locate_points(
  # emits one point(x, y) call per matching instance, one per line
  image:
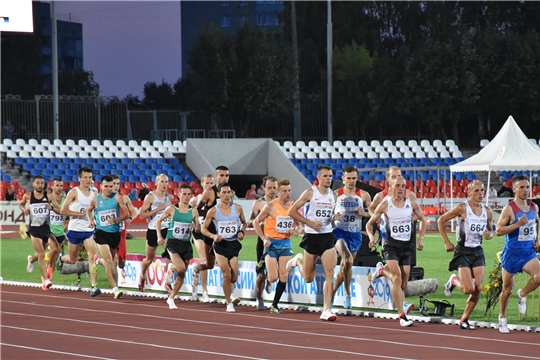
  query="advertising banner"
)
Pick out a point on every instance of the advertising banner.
point(364, 293)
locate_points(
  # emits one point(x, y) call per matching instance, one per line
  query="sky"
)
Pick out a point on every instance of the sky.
point(128, 43)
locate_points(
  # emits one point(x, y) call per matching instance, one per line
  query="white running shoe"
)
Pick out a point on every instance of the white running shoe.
point(194, 293)
point(292, 263)
point(407, 308)
point(448, 287)
point(503, 325)
point(230, 307)
point(327, 315)
point(205, 297)
point(377, 272)
point(30, 266)
point(196, 275)
point(170, 302)
point(260, 304)
point(522, 303)
point(405, 322)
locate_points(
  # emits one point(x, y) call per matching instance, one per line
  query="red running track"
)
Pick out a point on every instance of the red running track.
point(62, 324)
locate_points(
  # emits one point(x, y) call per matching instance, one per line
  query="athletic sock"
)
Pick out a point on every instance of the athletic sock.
point(280, 288)
point(454, 281)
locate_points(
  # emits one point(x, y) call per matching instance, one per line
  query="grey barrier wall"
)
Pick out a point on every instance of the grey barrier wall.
point(244, 157)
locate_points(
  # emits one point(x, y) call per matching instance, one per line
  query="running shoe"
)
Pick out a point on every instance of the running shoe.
point(142, 282)
point(268, 286)
point(118, 294)
point(292, 263)
point(407, 308)
point(46, 283)
point(275, 310)
point(503, 325)
point(347, 304)
point(235, 300)
point(465, 325)
point(449, 287)
point(205, 297)
point(196, 275)
point(522, 303)
point(95, 291)
point(377, 272)
point(30, 265)
point(194, 293)
point(170, 302)
point(230, 307)
point(260, 304)
point(59, 262)
point(404, 321)
point(327, 315)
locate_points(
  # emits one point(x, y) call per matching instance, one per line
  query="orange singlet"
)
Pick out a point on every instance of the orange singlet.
point(280, 226)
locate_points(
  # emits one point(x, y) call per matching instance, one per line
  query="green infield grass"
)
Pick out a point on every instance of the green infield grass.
point(434, 259)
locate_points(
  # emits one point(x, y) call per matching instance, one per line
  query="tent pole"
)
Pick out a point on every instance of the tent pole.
point(452, 195)
point(487, 190)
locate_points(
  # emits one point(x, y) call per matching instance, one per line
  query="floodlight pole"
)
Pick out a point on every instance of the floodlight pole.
point(329, 69)
point(54, 71)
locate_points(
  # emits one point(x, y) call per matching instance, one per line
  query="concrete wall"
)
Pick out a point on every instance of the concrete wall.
point(244, 157)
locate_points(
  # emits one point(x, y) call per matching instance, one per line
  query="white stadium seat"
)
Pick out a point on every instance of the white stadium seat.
point(437, 142)
point(350, 144)
point(348, 155)
point(169, 155)
point(329, 149)
point(317, 149)
point(108, 143)
point(354, 149)
point(109, 155)
point(35, 154)
point(323, 155)
point(372, 155)
point(288, 144)
point(292, 149)
point(305, 149)
point(133, 143)
point(155, 154)
point(299, 155)
point(399, 143)
point(387, 143)
point(288, 154)
point(300, 144)
point(72, 154)
point(342, 149)
point(132, 155)
point(424, 143)
point(449, 142)
point(20, 142)
point(60, 154)
point(313, 144)
point(325, 143)
point(374, 143)
point(64, 148)
point(145, 143)
point(384, 155)
point(7, 142)
point(359, 155)
point(420, 155)
point(120, 143)
point(335, 155)
point(11, 154)
point(47, 154)
point(39, 147)
point(33, 142)
point(362, 143)
point(396, 154)
point(45, 142)
point(275, 142)
point(412, 143)
point(175, 143)
point(456, 154)
point(337, 144)
point(484, 143)
point(181, 149)
point(83, 155)
point(311, 155)
point(58, 142)
point(16, 148)
point(28, 148)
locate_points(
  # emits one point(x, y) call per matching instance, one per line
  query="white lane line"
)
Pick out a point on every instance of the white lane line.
point(262, 317)
point(197, 335)
point(54, 351)
point(116, 340)
point(280, 330)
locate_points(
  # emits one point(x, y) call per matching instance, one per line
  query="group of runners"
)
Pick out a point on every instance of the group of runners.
point(331, 222)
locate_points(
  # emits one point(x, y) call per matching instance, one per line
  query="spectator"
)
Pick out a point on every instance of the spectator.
point(8, 130)
point(143, 192)
point(507, 187)
point(260, 192)
point(251, 193)
point(10, 193)
point(491, 193)
point(133, 195)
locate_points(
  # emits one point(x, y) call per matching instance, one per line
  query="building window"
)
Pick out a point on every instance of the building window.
point(224, 3)
point(267, 19)
point(224, 21)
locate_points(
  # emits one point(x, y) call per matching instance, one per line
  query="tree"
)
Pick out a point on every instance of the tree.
point(159, 96)
point(78, 82)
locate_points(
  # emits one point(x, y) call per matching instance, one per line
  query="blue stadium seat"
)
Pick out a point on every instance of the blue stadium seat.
point(137, 172)
point(177, 167)
point(113, 161)
point(316, 161)
point(133, 178)
point(328, 161)
point(149, 172)
point(123, 178)
point(66, 178)
point(305, 161)
point(312, 167)
point(138, 161)
point(144, 166)
point(156, 167)
point(188, 179)
point(89, 162)
point(369, 166)
point(76, 161)
point(132, 167)
point(177, 178)
point(121, 166)
point(126, 161)
point(300, 166)
point(364, 161)
point(388, 161)
point(166, 167)
point(306, 172)
point(161, 161)
point(102, 161)
point(376, 161)
point(311, 178)
point(293, 160)
point(183, 173)
point(170, 173)
point(6, 177)
point(19, 160)
point(97, 178)
point(173, 161)
point(150, 161)
point(145, 178)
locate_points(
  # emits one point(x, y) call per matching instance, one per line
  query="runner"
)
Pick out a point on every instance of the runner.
point(155, 203)
point(106, 220)
point(207, 182)
point(269, 184)
point(79, 231)
point(181, 221)
point(474, 222)
point(519, 223)
point(318, 239)
point(278, 228)
point(230, 224)
point(347, 230)
point(398, 209)
point(39, 227)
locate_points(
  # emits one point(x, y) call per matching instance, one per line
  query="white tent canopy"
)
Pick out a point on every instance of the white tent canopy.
point(510, 150)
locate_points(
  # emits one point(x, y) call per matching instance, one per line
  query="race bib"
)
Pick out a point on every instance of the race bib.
point(527, 232)
point(181, 230)
point(56, 219)
point(39, 210)
point(350, 219)
point(323, 213)
point(227, 229)
point(400, 229)
point(105, 215)
point(122, 225)
point(284, 224)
